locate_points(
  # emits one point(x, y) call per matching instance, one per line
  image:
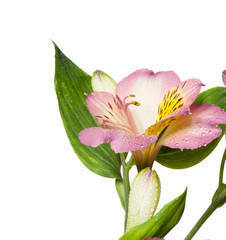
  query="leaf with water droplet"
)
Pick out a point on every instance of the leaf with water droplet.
point(71, 83)
point(161, 223)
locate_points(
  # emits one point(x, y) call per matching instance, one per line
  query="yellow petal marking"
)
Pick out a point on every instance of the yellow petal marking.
point(172, 100)
point(159, 127)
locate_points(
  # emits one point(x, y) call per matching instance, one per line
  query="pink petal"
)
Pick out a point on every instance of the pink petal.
point(224, 77)
point(149, 89)
point(98, 104)
point(120, 141)
point(176, 102)
point(196, 130)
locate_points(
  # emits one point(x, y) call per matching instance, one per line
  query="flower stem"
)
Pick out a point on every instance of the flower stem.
point(222, 168)
point(218, 200)
point(126, 184)
point(200, 222)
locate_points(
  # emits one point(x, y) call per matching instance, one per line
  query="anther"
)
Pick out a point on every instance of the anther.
point(135, 103)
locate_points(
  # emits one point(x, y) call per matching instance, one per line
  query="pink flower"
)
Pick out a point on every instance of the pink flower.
point(144, 105)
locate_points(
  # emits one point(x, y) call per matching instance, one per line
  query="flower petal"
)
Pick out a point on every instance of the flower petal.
point(196, 130)
point(178, 99)
point(120, 141)
point(224, 77)
point(176, 102)
point(149, 89)
point(105, 108)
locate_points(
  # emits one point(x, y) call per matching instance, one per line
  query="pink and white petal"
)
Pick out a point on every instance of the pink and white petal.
point(195, 130)
point(190, 89)
point(178, 99)
point(102, 106)
point(120, 141)
point(149, 89)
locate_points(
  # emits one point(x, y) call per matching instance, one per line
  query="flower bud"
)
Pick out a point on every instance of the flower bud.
point(101, 82)
point(143, 198)
point(224, 77)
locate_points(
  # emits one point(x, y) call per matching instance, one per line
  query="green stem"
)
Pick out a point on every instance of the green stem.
point(218, 200)
point(126, 184)
point(222, 168)
point(200, 222)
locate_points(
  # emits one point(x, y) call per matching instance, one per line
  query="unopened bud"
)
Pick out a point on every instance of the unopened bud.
point(144, 197)
point(101, 82)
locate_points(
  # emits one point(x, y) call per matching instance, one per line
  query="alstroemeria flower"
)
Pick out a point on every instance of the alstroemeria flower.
point(145, 104)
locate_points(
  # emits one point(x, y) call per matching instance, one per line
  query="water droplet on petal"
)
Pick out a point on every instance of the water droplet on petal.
point(203, 134)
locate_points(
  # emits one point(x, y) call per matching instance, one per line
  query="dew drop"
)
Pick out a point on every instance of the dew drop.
point(203, 134)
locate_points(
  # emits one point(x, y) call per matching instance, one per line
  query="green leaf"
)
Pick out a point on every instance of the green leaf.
point(71, 85)
point(121, 192)
point(177, 159)
point(161, 223)
point(215, 96)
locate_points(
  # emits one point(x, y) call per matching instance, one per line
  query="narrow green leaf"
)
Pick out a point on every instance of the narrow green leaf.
point(71, 85)
point(161, 223)
point(121, 192)
point(177, 159)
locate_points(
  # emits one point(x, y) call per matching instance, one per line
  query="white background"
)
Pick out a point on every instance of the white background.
point(45, 191)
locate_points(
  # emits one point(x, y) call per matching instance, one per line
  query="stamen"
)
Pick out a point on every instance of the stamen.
point(114, 125)
point(124, 100)
point(135, 103)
